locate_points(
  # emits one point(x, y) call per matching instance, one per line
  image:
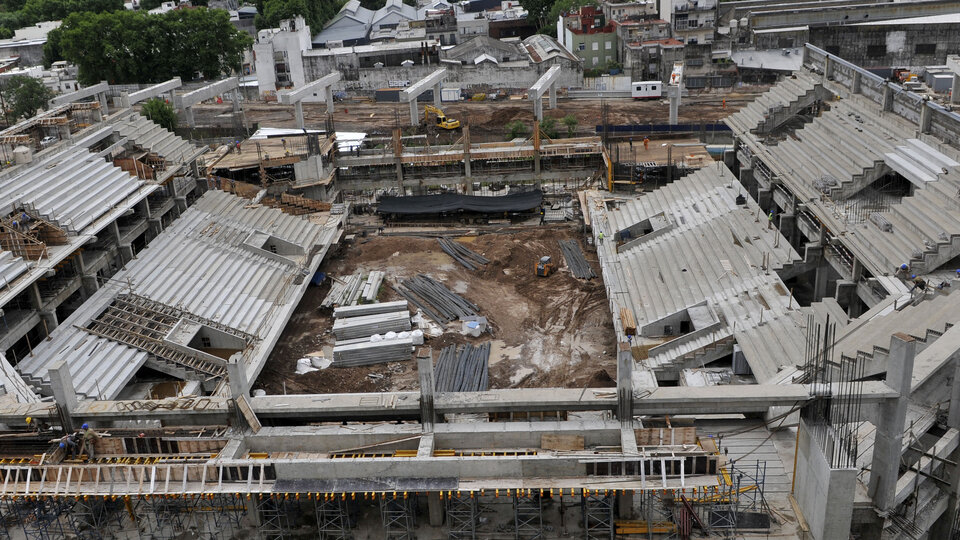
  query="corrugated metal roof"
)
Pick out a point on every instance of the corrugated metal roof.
point(71, 191)
point(200, 265)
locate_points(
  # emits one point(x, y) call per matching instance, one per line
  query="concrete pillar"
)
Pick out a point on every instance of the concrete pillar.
point(828, 66)
point(328, 92)
point(89, 284)
point(125, 100)
point(188, 116)
point(437, 89)
point(925, 114)
point(553, 96)
point(181, 204)
point(104, 106)
point(435, 509)
point(61, 384)
point(955, 90)
point(298, 113)
point(414, 117)
point(538, 109)
point(467, 172)
point(887, 104)
point(855, 85)
point(237, 378)
point(33, 294)
point(236, 100)
point(625, 504)
point(764, 199)
point(788, 223)
point(536, 146)
point(820, 281)
point(126, 252)
point(892, 415)
point(428, 415)
point(49, 320)
point(674, 95)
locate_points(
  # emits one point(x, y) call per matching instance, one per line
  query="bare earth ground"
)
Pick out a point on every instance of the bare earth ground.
point(546, 332)
point(486, 118)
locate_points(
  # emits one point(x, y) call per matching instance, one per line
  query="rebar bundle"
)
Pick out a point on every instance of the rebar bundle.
point(437, 302)
point(576, 262)
point(463, 371)
point(470, 260)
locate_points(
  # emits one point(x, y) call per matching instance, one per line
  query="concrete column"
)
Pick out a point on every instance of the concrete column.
point(236, 101)
point(538, 109)
point(787, 226)
point(887, 103)
point(33, 294)
point(437, 88)
point(61, 383)
point(298, 113)
point(553, 96)
point(674, 95)
point(414, 117)
point(428, 415)
point(188, 116)
point(955, 90)
point(104, 106)
point(892, 415)
point(237, 378)
point(328, 92)
point(820, 281)
point(925, 114)
point(435, 509)
point(125, 100)
point(855, 86)
point(90, 284)
point(50, 321)
point(126, 252)
point(467, 172)
point(828, 66)
point(625, 504)
point(536, 145)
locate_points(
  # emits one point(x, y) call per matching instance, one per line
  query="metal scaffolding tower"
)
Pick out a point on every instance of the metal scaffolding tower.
point(220, 516)
point(42, 519)
point(278, 517)
point(333, 518)
point(163, 517)
point(462, 514)
point(399, 518)
point(528, 516)
point(97, 518)
point(598, 516)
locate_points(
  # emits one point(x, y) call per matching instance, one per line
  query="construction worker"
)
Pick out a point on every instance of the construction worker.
point(600, 237)
point(631, 142)
point(902, 270)
point(646, 143)
point(918, 283)
point(238, 146)
point(90, 437)
point(70, 445)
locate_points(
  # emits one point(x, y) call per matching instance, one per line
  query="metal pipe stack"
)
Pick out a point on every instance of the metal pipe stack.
point(463, 371)
point(438, 302)
point(363, 352)
point(369, 309)
point(471, 260)
point(350, 290)
point(576, 262)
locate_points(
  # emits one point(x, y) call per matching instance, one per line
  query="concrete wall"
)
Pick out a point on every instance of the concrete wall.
point(31, 54)
point(889, 45)
point(593, 58)
point(825, 495)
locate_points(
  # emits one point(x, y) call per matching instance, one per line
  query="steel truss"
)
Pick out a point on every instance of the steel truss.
point(333, 518)
point(463, 512)
point(528, 516)
point(598, 517)
point(399, 517)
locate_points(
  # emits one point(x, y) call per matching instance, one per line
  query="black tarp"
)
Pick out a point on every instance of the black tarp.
point(452, 202)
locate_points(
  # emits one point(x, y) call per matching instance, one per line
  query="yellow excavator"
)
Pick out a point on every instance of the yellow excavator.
point(442, 121)
point(545, 266)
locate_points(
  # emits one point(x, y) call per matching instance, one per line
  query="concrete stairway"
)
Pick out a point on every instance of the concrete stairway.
point(782, 102)
point(150, 136)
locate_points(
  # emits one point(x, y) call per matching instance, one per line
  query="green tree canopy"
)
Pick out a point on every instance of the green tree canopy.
point(160, 112)
point(549, 25)
point(22, 96)
point(570, 122)
point(316, 12)
point(548, 126)
point(137, 47)
point(516, 129)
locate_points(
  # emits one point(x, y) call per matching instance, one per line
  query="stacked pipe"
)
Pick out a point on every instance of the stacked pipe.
point(368, 325)
point(576, 262)
point(345, 312)
point(465, 370)
point(471, 260)
point(372, 287)
point(438, 302)
point(343, 292)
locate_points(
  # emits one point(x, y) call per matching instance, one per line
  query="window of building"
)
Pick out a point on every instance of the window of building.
point(596, 60)
point(876, 51)
point(595, 46)
point(581, 47)
point(608, 45)
point(925, 48)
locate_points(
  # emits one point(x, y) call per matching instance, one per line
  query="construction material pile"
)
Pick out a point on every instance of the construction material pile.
point(436, 301)
point(373, 333)
point(353, 289)
point(576, 262)
point(465, 370)
point(470, 260)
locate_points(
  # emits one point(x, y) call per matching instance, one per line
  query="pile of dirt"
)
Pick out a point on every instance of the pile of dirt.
point(545, 332)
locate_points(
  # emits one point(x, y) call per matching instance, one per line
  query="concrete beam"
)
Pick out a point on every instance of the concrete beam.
point(293, 95)
point(410, 93)
point(83, 93)
point(207, 92)
point(151, 92)
point(546, 83)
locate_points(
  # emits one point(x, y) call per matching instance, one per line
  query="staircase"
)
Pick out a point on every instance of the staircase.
point(150, 136)
point(779, 104)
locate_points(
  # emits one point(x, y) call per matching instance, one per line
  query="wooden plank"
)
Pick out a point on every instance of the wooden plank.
point(248, 413)
point(627, 321)
point(561, 442)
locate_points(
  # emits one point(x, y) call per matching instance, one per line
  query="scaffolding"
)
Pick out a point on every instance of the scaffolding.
point(333, 518)
point(399, 517)
point(96, 518)
point(463, 512)
point(278, 517)
point(528, 516)
point(598, 516)
point(42, 519)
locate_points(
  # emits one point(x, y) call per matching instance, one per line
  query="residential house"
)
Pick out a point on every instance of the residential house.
point(625, 10)
point(587, 34)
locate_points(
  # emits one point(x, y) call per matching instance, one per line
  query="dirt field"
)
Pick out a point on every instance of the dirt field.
point(486, 118)
point(546, 332)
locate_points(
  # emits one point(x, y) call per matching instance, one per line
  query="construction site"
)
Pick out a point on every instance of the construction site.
point(746, 329)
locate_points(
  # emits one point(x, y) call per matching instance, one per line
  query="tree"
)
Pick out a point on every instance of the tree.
point(537, 10)
point(516, 129)
point(316, 12)
point(35, 11)
point(549, 25)
point(22, 96)
point(570, 121)
point(548, 126)
point(161, 113)
point(51, 49)
point(138, 47)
